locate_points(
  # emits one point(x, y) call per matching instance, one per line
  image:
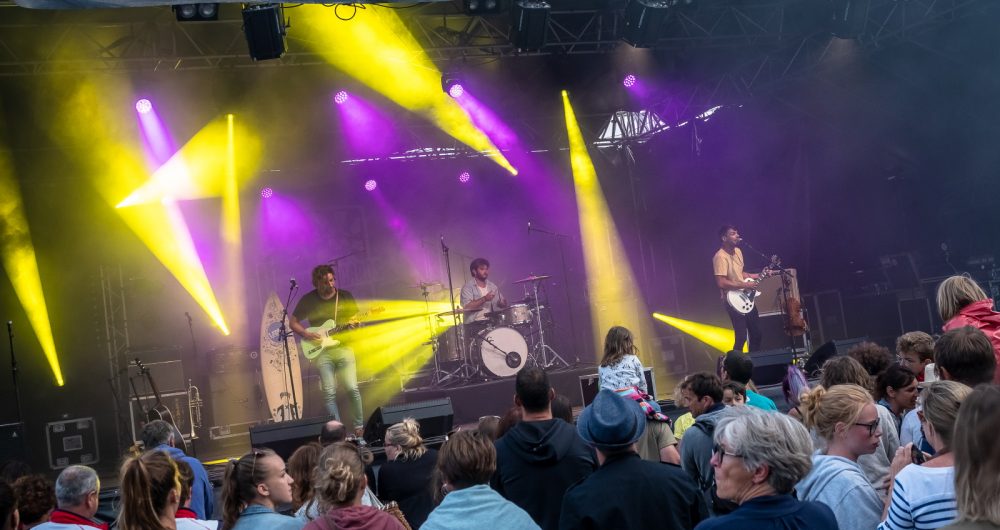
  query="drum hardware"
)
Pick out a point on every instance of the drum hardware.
point(533, 278)
point(541, 348)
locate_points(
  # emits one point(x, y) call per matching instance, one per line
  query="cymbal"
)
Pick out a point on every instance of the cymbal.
point(534, 278)
point(458, 311)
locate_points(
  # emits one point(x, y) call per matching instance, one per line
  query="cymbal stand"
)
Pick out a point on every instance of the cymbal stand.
point(463, 370)
point(540, 345)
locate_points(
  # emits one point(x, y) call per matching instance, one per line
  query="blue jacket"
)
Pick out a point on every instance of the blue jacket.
point(477, 507)
point(202, 496)
point(775, 512)
point(257, 517)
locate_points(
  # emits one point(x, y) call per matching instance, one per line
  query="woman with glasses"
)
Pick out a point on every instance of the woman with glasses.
point(845, 418)
point(758, 458)
point(340, 485)
point(406, 476)
point(255, 485)
point(923, 492)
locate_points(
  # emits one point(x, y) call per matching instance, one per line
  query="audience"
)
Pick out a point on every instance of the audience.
point(686, 420)
point(737, 366)
point(12, 469)
point(758, 458)
point(302, 468)
point(540, 457)
point(77, 499)
point(465, 465)
point(255, 485)
point(332, 432)
point(924, 494)
point(977, 460)
point(406, 476)
point(703, 392)
point(8, 507)
point(340, 484)
point(657, 443)
point(961, 302)
point(489, 426)
point(915, 351)
point(562, 408)
point(965, 355)
point(896, 390)
point(846, 418)
point(734, 393)
point(620, 366)
point(873, 358)
point(186, 518)
point(150, 492)
point(36, 498)
point(627, 492)
point(158, 435)
point(511, 418)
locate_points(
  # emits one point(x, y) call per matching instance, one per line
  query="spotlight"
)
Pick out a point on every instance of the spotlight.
point(629, 81)
point(370, 185)
point(264, 27)
point(143, 106)
point(529, 22)
point(464, 177)
point(196, 12)
point(340, 98)
point(480, 7)
point(643, 21)
point(452, 84)
point(456, 91)
point(266, 193)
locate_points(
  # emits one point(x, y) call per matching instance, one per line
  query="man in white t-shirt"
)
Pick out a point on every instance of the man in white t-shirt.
point(479, 295)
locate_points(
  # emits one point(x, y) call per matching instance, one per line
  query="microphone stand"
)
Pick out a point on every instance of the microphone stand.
point(569, 304)
point(286, 334)
point(17, 391)
point(454, 310)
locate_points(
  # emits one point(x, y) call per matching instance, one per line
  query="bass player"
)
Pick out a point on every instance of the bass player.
point(327, 302)
point(728, 266)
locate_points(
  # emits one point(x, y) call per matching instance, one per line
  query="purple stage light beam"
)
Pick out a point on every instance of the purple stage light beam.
point(143, 106)
point(157, 143)
point(367, 130)
point(487, 121)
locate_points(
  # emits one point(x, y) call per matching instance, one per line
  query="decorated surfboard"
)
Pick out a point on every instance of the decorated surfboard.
point(277, 383)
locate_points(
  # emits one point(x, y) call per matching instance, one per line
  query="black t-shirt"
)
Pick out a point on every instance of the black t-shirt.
point(316, 311)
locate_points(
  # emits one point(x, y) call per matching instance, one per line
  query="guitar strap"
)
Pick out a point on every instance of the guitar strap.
point(336, 307)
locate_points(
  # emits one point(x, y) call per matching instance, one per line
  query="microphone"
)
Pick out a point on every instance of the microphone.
point(443, 246)
point(529, 226)
point(293, 283)
point(188, 315)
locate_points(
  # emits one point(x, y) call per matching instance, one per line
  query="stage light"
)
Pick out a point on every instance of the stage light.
point(370, 185)
point(529, 24)
point(264, 27)
point(480, 7)
point(143, 106)
point(629, 81)
point(340, 98)
point(196, 12)
point(643, 21)
point(266, 193)
point(721, 339)
point(464, 177)
point(456, 91)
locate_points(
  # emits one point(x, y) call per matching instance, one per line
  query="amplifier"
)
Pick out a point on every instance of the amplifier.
point(177, 402)
point(72, 442)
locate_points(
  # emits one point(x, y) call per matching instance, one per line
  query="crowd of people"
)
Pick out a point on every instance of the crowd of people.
point(883, 440)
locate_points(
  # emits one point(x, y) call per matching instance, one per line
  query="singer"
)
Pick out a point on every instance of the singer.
point(327, 302)
point(728, 266)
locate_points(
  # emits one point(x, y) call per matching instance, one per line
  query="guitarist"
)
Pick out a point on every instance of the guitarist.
point(327, 302)
point(728, 266)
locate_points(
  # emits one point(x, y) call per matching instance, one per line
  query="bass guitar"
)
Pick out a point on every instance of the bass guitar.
point(328, 331)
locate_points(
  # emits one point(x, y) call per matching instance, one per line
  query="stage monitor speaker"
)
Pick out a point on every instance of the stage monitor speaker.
point(828, 351)
point(12, 443)
point(287, 436)
point(436, 417)
point(770, 366)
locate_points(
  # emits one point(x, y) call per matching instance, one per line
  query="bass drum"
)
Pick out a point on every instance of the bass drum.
point(501, 351)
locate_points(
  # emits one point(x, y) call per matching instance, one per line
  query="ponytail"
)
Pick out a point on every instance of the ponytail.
point(239, 488)
point(146, 483)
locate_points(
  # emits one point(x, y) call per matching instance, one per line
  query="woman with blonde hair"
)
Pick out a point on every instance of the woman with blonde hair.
point(406, 476)
point(977, 460)
point(150, 492)
point(962, 302)
point(846, 419)
point(340, 484)
point(924, 493)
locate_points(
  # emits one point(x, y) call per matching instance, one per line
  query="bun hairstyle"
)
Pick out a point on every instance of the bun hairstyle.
point(341, 474)
point(146, 483)
point(942, 400)
point(822, 409)
point(240, 485)
point(406, 436)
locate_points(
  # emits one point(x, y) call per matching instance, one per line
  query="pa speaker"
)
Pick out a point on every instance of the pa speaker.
point(264, 28)
point(769, 366)
point(287, 436)
point(435, 416)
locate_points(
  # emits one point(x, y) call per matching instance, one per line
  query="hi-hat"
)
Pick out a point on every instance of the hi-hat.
point(534, 278)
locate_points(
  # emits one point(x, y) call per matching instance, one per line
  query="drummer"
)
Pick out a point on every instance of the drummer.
point(480, 296)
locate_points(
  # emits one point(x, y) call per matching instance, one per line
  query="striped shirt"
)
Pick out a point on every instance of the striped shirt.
point(922, 498)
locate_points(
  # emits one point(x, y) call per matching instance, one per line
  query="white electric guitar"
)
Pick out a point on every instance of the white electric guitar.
point(742, 300)
point(327, 331)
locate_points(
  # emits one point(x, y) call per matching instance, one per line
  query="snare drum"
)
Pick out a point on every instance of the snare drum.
point(501, 351)
point(515, 315)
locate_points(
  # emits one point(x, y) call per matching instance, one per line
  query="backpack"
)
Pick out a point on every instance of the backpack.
point(716, 504)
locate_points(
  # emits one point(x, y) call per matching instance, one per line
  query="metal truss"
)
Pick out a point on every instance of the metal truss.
point(116, 337)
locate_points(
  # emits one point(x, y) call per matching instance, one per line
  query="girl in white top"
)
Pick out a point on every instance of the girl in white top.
point(621, 367)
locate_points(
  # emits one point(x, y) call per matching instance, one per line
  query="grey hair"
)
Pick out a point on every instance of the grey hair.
point(772, 439)
point(74, 484)
point(156, 433)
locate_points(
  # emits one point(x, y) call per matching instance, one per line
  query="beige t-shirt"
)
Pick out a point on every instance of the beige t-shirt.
point(730, 266)
point(657, 436)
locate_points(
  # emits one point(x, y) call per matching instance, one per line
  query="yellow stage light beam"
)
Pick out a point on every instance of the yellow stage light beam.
point(232, 234)
point(377, 49)
point(721, 339)
point(19, 261)
point(614, 295)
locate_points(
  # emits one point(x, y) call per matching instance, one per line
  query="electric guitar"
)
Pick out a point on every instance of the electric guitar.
point(742, 300)
point(327, 331)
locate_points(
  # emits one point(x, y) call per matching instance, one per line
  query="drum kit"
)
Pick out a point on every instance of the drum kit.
point(498, 346)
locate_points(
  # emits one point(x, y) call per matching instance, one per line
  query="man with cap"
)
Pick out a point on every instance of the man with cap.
point(626, 491)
